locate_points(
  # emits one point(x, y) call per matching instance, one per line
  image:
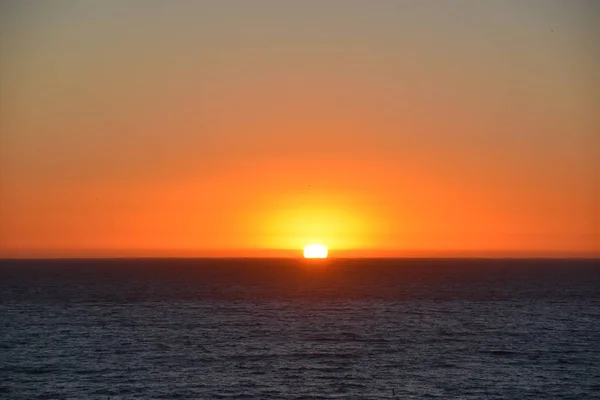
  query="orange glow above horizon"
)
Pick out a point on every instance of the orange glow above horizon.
point(373, 131)
point(341, 228)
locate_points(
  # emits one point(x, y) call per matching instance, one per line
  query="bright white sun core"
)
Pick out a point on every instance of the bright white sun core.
point(315, 251)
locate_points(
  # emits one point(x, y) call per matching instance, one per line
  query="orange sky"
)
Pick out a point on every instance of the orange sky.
point(375, 128)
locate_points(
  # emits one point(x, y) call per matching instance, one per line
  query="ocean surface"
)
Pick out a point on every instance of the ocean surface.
point(299, 329)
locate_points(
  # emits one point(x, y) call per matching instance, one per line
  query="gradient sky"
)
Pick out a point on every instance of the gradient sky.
point(249, 128)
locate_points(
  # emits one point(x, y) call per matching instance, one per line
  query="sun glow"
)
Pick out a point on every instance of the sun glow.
point(315, 251)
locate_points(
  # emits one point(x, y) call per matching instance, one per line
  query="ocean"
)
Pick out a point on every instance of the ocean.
point(299, 329)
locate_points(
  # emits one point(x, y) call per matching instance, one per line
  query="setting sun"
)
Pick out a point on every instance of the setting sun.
point(315, 251)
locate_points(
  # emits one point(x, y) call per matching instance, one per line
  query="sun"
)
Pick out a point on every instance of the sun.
point(315, 251)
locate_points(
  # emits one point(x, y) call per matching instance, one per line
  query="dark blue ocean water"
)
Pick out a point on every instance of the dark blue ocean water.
point(291, 329)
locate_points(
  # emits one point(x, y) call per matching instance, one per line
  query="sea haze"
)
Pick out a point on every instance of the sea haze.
point(299, 329)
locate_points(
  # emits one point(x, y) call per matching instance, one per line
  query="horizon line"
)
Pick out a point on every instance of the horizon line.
point(546, 257)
